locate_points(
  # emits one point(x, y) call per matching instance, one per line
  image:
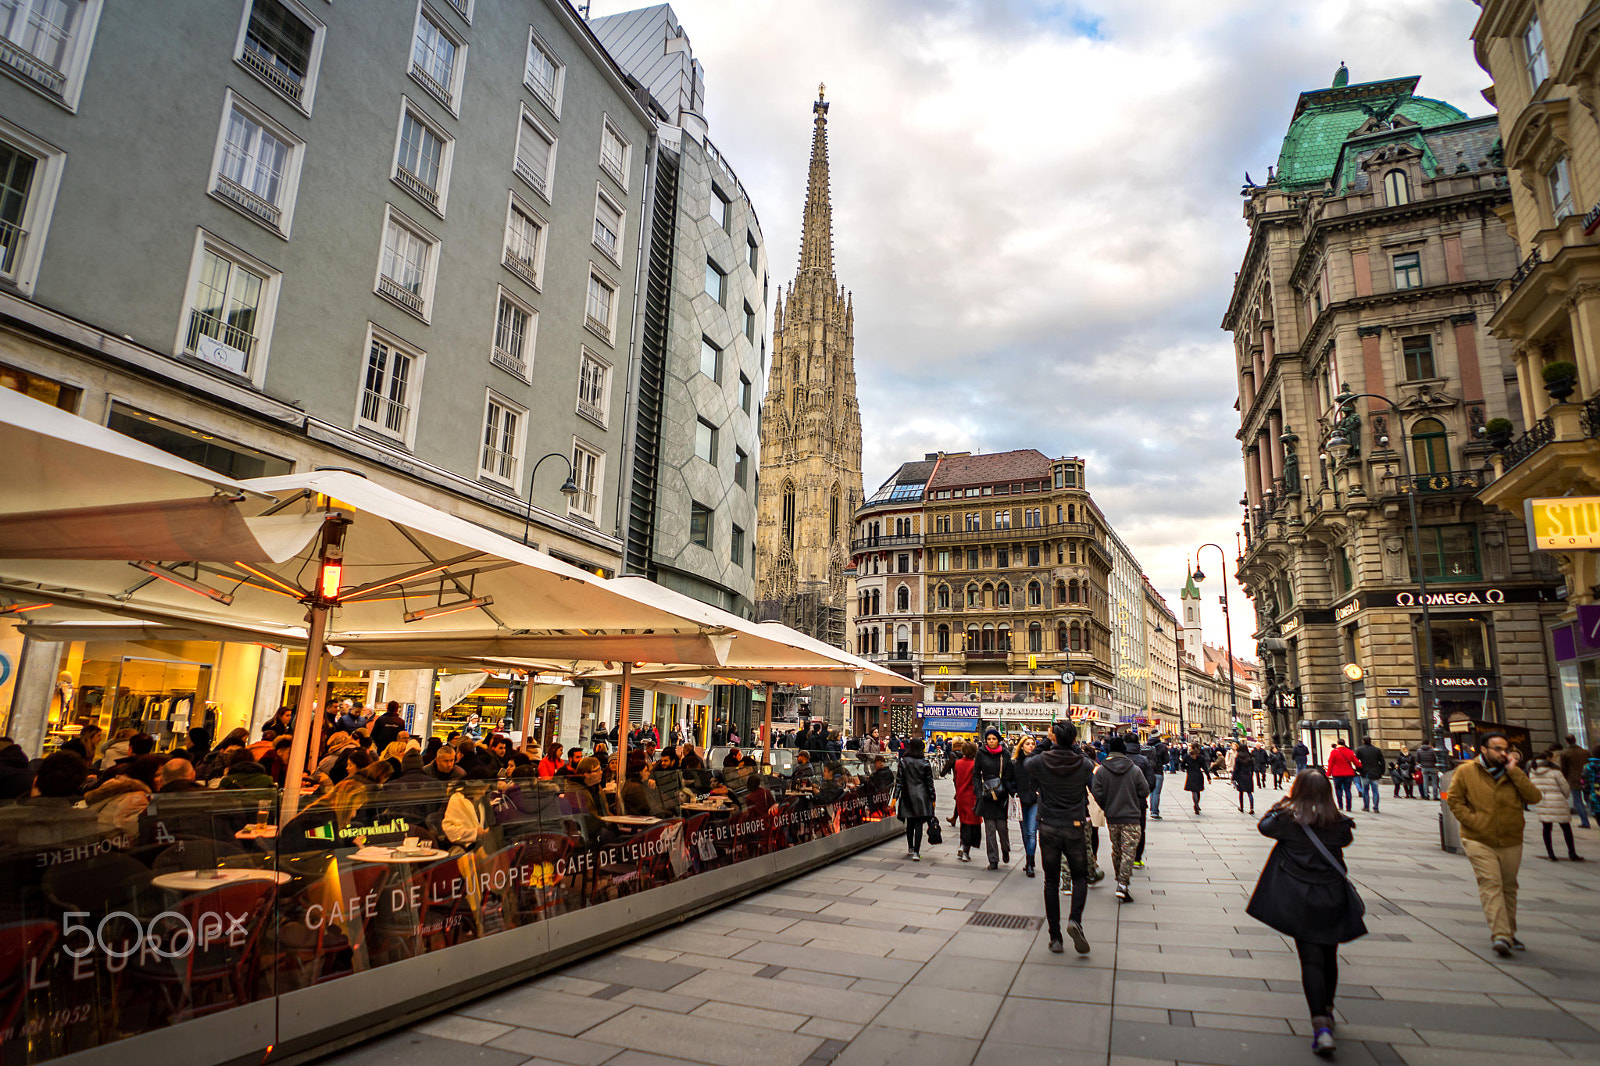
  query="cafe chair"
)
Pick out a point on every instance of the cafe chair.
point(313, 955)
point(440, 918)
point(545, 894)
point(224, 962)
point(24, 947)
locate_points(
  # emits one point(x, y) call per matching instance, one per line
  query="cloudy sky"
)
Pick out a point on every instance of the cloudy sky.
point(1036, 206)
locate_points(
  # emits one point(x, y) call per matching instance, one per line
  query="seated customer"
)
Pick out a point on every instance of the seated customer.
point(463, 814)
point(177, 775)
point(635, 800)
point(444, 768)
point(689, 759)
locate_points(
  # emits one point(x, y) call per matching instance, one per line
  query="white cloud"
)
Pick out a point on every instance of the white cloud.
point(1035, 205)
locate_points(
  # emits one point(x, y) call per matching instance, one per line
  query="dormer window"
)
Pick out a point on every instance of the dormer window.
point(1396, 188)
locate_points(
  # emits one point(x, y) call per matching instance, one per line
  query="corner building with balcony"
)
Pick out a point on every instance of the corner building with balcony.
point(1018, 591)
point(1375, 249)
point(1544, 59)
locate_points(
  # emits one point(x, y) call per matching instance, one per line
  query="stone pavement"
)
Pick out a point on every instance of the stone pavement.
point(876, 960)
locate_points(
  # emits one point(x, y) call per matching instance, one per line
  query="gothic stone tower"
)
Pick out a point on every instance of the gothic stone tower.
point(810, 430)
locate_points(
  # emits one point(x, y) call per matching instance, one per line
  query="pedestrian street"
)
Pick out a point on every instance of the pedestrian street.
point(876, 960)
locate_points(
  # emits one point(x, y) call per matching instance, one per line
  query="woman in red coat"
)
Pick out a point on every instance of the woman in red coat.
point(967, 802)
point(1342, 767)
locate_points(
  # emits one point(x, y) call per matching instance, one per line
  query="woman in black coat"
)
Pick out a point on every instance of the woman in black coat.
point(1193, 764)
point(1301, 895)
point(1244, 776)
point(993, 767)
point(1278, 766)
point(916, 796)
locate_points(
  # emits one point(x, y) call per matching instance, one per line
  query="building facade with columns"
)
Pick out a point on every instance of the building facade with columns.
point(1375, 249)
point(1544, 59)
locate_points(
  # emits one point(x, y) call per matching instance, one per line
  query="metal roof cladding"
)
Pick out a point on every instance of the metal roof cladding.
point(1323, 118)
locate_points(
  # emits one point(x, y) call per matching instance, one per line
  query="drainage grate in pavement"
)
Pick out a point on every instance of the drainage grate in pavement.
point(1004, 921)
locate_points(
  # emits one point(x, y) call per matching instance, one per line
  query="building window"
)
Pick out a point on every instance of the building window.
point(834, 513)
point(1035, 637)
point(1396, 188)
point(1458, 644)
point(524, 255)
point(902, 599)
point(944, 597)
point(536, 153)
point(749, 324)
point(736, 546)
point(1408, 271)
point(1417, 353)
point(1002, 520)
point(1076, 638)
point(699, 525)
point(600, 307)
point(422, 159)
point(718, 208)
point(388, 393)
point(594, 392)
point(788, 514)
point(1074, 591)
point(406, 268)
point(1533, 54)
point(1002, 595)
point(755, 249)
point(45, 44)
point(228, 319)
point(741, 467)
point(1449, 553)
point(744, 394)
point(503, 425)
point(972, 558)
point(1033, 555)
point(1035, 594)
point(710, 359)
point(1061, 593)
point(942, 639)
point(514, 325)
point(608, 223)
point(437, 59)
point(1061, 636)
point(974, 596)
point(1560, 190)
point(1430, 447)
point(705, 441)
point(30, 173)
point(281, 43)
point(1072, 553)
point(195, 445)
point(588, 467)
point(716, 281)
point(613, 153)
point(544, 73)
point(1002, 558)
point(257, 168)
point(943, 561)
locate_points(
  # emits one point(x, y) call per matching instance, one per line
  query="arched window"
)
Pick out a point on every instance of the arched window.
point(988, 638)
point(988, 596)
point(1035, 594)
point(1072, 591)
point(1002, 595)
point(972, 596)
point(972, 638)
point(1002, 639)
point(1396, 188)
point(876, 639)
point(902, 599)
point(1035, 637)
point(1077, 637)
point(788, 514)
point(1061, 636)
point(877, 601)
point(1430, 447)
point(1061, 593)
point(942, 638)
point(833, 513)
point(1072, 513)
point(944, 597)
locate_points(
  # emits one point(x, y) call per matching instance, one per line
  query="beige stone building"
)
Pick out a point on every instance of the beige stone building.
point(1376, 246)
point(810, 472)
point(1544, 59)
point(1161, 659)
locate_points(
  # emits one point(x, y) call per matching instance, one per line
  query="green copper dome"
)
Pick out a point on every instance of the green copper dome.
point(1325, 117)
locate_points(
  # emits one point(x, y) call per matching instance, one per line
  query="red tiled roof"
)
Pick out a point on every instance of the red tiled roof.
point(963, 470)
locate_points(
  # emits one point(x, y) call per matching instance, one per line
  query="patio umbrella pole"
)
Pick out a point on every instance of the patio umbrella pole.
point(304, 714)
point(622, 733)
point(766, 729)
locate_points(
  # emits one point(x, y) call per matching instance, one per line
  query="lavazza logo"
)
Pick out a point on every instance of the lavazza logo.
point(1449, 599)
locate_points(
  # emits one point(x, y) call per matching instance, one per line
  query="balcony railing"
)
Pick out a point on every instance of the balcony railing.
point(460, 6)
point(30, 66)
point(1541, 433)
point(591, 412)
point(975, 655)
point(384, 413)
point(1018, 533)
point(885, 543)
point(531, 176)
point(401, 295)
point(204, 325)
point(13, 239)
point(1590, 417)
point(430, 83)
point(417, 187)
point(521, 267)
point(265, 64)
point(1449, 481)
point(256, 206)
point(1527, 267)
point(507, 361)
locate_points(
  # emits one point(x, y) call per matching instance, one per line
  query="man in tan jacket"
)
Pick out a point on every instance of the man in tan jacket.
point(1486, 796)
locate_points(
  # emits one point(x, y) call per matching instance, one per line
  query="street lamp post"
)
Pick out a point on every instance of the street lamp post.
point(1233, 698)
point(1338, 448)
point(569, 489)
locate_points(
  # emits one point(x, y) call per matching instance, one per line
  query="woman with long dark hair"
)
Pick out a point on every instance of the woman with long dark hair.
point(1193, 765)
point(1305, 893)
point(916, 796)
point(1244, 775)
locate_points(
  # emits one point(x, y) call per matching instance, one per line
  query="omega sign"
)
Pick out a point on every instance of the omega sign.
point(1449, 597)
point(1471, 598)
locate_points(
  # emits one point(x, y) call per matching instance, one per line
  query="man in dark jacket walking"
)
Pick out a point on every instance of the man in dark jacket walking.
point(1301, 755)
point(1152, 776)
point(387, 726)
point(1062, 777)
point(1373, 769)
point(1120, 787)
point(1159, 758)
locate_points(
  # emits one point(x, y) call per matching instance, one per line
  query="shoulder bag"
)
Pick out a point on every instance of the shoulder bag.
point(1353, 898)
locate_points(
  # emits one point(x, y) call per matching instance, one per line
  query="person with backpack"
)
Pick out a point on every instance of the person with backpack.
point(1121, 789)
point(1304, 891)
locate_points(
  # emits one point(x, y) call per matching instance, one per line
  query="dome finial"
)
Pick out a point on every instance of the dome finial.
point(1341, 77)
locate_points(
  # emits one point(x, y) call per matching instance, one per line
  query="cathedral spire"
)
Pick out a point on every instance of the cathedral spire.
point(816, 243)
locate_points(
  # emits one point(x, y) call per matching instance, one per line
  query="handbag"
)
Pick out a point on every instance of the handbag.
point(1353, 898)
point(991, 785)
point(935, 834)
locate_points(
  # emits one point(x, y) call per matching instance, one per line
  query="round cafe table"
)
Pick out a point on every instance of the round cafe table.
point(371, 853)
point(709, 808)
point(200, 881)
point(257, 832)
